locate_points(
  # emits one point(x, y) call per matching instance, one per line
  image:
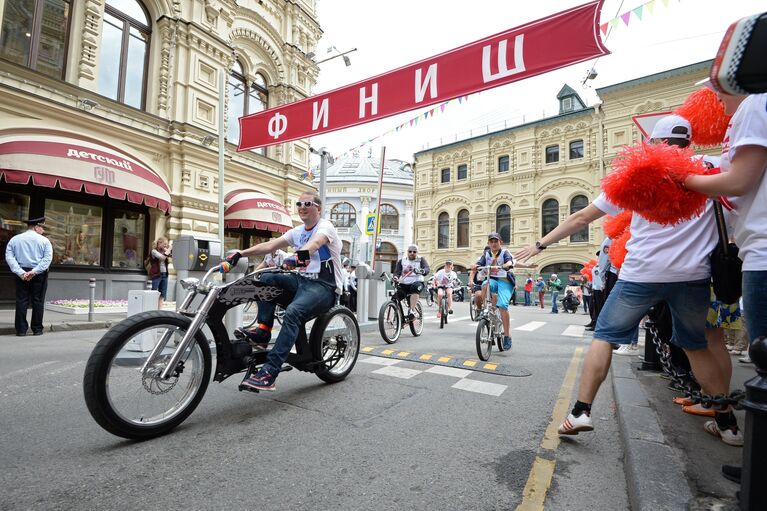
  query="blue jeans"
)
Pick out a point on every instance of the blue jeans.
point(554, 296)
point(306, 299)
point(628, 302)
point(161, 284)
point(754, 298)
point(527, 298)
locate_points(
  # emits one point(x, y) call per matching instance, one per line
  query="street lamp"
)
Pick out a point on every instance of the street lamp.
point(324, 158)
point(343, 54)
point(355, 233)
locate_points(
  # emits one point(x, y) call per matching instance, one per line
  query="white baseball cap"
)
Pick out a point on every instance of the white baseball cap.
point(672, 126)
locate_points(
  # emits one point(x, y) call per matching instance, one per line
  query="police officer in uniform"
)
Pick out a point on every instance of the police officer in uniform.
point(29, 255)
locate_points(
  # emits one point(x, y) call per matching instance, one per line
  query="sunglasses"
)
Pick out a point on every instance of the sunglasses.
point(412, 251)
point(305, 204)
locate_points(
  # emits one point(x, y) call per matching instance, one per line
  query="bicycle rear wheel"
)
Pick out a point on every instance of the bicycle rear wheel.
point(389, 322)
point(484, 340)
point(473, 312)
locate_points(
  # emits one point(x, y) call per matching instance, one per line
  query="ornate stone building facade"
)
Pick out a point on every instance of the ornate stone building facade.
point(135, 83)
point(523, 181)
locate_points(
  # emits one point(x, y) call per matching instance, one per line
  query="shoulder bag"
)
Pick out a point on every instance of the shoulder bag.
point(726, 267)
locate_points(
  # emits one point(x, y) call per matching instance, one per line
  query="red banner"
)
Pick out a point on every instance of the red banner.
point(535, 48)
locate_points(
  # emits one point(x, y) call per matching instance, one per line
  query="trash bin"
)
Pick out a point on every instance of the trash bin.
point(142, 301)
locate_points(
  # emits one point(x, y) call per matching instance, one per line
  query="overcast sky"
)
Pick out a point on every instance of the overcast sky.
point(395, 33)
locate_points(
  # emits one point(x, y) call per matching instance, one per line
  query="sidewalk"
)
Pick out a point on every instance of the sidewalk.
point(671, 462)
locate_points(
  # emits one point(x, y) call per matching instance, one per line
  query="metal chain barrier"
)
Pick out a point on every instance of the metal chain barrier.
point(685, 383)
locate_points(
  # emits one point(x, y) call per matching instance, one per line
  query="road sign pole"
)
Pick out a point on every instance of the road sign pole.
point(378, 209)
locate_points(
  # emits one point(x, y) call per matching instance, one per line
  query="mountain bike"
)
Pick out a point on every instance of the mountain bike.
point(490, 326)
point(140, 394)
point(443, 310)
point(391, 317)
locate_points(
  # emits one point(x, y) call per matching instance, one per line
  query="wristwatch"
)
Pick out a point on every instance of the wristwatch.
point(539, 246)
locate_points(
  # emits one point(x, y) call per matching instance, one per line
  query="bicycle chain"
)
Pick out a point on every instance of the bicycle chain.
point(684, 380)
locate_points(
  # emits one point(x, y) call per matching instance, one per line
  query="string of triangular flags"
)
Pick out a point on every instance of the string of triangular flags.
point(626, 17)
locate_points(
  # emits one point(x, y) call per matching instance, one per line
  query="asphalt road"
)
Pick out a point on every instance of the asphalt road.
point(397, 434)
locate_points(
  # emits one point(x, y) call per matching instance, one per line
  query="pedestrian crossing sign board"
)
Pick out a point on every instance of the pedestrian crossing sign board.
point(371, 224)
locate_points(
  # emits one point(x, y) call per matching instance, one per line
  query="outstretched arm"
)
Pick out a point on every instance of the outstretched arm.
point(746, 169)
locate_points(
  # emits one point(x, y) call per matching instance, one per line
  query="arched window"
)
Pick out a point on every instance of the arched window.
point(549, 215)
point(389, 217)
point(503, 222)
point(343, 214)
point(124, 58)
point(576, 204)
point(35, 34)
point(387, 253)
point(462, 229)
point(244, 99)
point(443, 230)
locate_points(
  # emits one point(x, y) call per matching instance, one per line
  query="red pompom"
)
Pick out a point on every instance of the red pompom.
point(588, 268)
point(618, 249)
point(614, 226)
point(646, 179)
point(706, 115)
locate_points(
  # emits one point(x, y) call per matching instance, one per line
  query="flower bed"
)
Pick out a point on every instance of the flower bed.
point(99, 306)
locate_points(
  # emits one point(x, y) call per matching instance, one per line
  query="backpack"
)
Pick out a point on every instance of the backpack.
point(148, 265)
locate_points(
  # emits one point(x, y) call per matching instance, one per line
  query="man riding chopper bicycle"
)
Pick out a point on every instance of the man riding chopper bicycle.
point(311, 292)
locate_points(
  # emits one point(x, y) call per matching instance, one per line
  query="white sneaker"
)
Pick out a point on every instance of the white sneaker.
point(624, 349)
point(732, 437)
point(574, 425)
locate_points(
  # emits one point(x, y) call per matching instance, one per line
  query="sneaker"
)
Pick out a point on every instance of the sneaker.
point(699, 410)
point(745, 360)
point(506, 343)
point(262, 380)
point(623, 349)
point(574, 425)
point(732, 472)
point(589, 329)
point(732, 436)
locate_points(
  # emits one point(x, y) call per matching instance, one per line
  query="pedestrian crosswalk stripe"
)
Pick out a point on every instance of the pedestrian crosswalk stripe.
point(480, 387)
point(449, 371)
point(574, 331)
point(380, 361)
point(379, 353)
point(529, 327)
point(398, 372)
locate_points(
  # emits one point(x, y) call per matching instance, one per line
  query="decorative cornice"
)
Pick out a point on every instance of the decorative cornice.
point(559, 183)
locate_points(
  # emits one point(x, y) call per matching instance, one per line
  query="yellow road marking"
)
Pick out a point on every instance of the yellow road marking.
point(403, 353)
point(426, 357)
point(470, 363)
point(443, 359)
point(491, 367)
point(539, 480)
point(367, 348)
point(387, 352)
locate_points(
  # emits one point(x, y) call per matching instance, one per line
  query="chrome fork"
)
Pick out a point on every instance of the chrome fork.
point(165, 337)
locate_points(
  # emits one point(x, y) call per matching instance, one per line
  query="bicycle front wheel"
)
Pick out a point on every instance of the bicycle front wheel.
point(389, 322)
point(484, 340)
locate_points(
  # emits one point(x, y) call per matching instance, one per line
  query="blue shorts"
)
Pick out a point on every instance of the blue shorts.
point(502, 288)
point(628, 302)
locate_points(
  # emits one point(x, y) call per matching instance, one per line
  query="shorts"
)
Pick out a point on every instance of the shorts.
point(413, 288)
point(502, 288)
point(628, 302)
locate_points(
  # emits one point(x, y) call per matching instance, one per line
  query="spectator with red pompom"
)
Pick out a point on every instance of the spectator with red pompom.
point(663, 263)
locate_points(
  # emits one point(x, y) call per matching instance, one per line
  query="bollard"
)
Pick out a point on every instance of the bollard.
point(650, 360)
point(92, 285)
point(148, 285)
point(753, 496)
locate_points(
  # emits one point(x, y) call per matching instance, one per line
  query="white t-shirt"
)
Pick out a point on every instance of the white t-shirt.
point(409, 275)
point(276, 259)
point(667, 253)
point(749, 127)
point(325, 263)
point(599, 272)
point(445, 278)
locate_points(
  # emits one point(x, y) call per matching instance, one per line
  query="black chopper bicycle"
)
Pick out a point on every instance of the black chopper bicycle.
point(141, 395)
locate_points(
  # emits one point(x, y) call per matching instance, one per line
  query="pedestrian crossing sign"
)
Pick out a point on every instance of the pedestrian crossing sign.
point(371, 224)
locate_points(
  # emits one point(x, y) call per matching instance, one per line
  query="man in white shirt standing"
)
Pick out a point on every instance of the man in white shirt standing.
point(310, 291)
point(664, 263)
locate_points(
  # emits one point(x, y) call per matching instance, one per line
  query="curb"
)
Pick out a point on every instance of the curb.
point(665, 485)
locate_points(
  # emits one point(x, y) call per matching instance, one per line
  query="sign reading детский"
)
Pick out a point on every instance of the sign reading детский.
point(550, 43)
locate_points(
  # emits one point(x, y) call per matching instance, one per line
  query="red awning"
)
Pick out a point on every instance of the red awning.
point(77, 165)
point(249, 209)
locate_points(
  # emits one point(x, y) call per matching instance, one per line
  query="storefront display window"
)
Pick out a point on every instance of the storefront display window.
point(233, 241)
point(14, 209)
point(128, 239)
point(75, 232)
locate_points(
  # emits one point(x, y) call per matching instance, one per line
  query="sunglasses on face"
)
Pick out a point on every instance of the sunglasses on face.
point(305, 204)
point(412, 251)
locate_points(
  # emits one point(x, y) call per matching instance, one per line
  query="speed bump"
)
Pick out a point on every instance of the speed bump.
point(431, 358)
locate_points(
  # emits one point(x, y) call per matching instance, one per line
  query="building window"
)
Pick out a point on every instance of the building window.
point(462, 231)
point(576, 149)
point(388, 252)
point(567, 104)
point(552, 154)
point(343, 214)
point(128, 239)
point(124, 58)
point(549, 215)
point(346, 248)
point(576, 204)
point(443, 230)
point(389, 217)
point(75, 232)
point(35, 34)
point(244, 99)
point(445, 175)
point(463, 172)
point(503, 163)
point(503, 222)
point(14, 209)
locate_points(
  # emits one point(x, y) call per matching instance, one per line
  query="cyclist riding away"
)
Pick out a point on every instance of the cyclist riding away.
point(410, 271)
point(444, 280)
point(502, 281)
point(310, 292)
